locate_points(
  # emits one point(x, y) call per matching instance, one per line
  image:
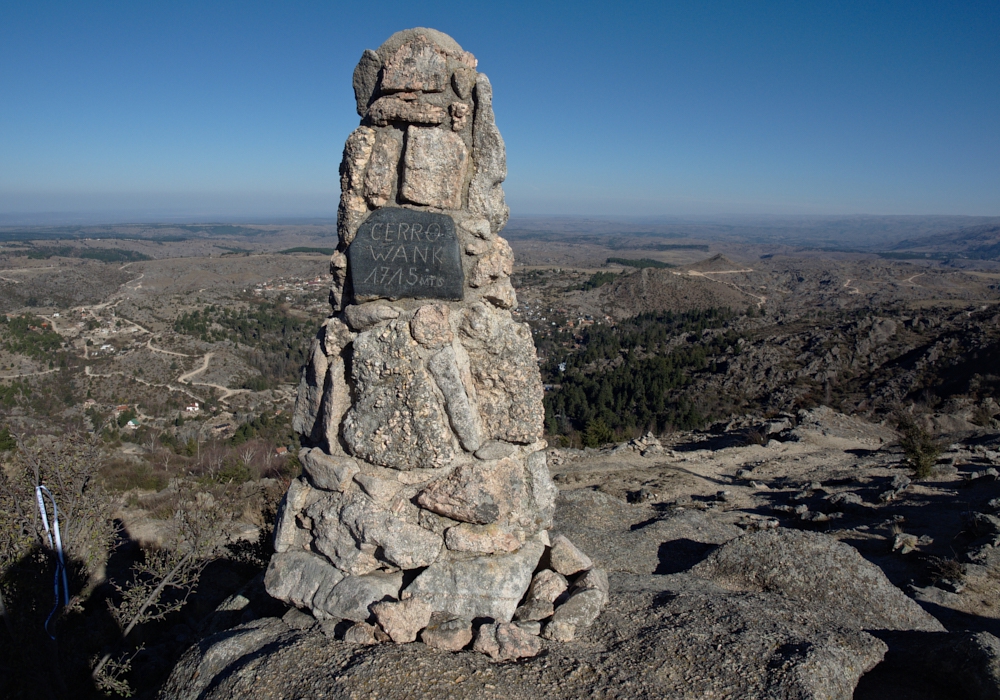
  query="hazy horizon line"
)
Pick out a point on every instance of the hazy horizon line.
point(135, 218)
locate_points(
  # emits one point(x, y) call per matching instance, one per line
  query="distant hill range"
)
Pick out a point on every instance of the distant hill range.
point(972, 242)
point(901, 237)
point(861, 233)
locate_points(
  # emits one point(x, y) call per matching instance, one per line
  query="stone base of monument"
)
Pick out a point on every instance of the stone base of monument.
point(425, 505)
point(434, 559)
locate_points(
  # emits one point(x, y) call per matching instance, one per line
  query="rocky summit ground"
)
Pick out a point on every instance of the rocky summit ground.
point(788, 558)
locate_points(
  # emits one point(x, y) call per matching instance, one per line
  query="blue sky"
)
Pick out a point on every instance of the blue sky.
point(139, 110)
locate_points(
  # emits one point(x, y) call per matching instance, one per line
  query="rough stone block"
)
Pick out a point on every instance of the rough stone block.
point(534, 610)
point(548, 585)
point(293, 502)
point(578, 612)
point(566, 558)
point(486, 197)
point(443, 367)
point(495, 449)
point(357, 152)
point(327, 472)
point(360, 633)
point(397, 420)
point(459, 112)
point(386, 110)
point(351, 599)
point(595, 579)
point(476, 492)
point(361, 317)
point(532, 627)
point(365, 79)
point(500, 293)
point(481, 539)
point(417, 65)
point(380, 490)
point(402, 620)
point(504, 370)
point(336, 401)
point(310, 393)
point(447, 632)
point(489, 586)
point(363, 527)
point(351, 212)
point(506, 642)
point(543, 490)
point(383, 170)
point(498, 263)
point(430, 327)
point(297, 576)
point(435, 162)
point(462, 81)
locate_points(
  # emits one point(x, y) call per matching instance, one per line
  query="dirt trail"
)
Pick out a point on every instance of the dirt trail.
point(226, 391)
point(697, 273)
point(90, 373)
point(183, 379)
point(23, 269)
point(204, 365)
point(28, 374)
point(909, 280)
point(850, 288)
point(149, 344)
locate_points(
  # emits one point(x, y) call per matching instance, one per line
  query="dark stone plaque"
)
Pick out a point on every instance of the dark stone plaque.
point(401, 253)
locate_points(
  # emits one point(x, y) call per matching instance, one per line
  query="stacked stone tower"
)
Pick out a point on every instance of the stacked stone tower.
point(425, 503)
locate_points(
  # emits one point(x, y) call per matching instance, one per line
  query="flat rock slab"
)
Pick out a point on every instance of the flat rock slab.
point(620, 536)
point(401, 253)
point(817, 569)
point(661, 637)
point(489, 586)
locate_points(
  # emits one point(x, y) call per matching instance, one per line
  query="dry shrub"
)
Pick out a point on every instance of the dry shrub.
point(920, 449)
point(120, 475)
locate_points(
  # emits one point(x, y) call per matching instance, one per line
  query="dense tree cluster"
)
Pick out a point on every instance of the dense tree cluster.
point(275, 428)
point(31, 336)
point(108, 255)
point(10, 394)
point(626, 378)
point(598, 279)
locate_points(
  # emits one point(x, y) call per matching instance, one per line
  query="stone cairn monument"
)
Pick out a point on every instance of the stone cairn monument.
point(425, 503)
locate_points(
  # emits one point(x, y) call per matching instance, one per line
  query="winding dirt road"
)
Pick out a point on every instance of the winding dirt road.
point(90, 373)
point(697, 273)
point(110, 303)
point(226, 391)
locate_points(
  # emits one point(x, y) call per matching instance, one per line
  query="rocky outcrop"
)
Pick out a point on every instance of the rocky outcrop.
point(663, 636)
point(812, 567)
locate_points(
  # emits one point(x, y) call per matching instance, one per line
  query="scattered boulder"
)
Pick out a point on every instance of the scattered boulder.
point(820, 570)
point(404, 619)
point(506, 642)
point(566, 559)
point(447, 632)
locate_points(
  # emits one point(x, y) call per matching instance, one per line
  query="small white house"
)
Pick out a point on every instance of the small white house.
point(193, 408)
